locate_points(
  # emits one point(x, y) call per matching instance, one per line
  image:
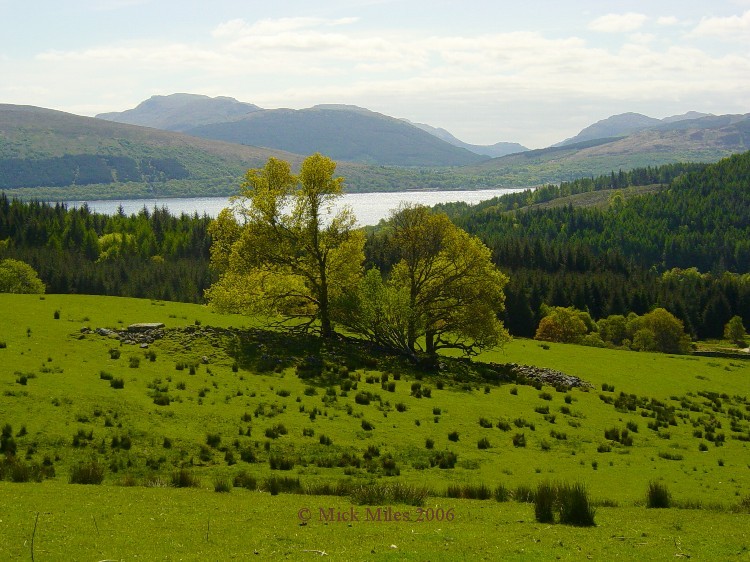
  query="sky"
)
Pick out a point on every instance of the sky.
point(534, 72)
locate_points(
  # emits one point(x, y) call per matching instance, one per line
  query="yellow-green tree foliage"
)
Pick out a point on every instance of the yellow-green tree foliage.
point(659, 330)
point(562, 324)
point(443, 292)
point(289, 254)
point(19, 277)
point(734, 331)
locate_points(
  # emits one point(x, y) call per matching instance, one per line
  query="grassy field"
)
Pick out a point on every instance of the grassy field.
point(215, 403)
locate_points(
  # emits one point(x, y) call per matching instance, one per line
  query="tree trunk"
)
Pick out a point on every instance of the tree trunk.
point(429, 342)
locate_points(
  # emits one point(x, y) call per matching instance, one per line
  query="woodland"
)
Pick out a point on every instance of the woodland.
point(684, 247)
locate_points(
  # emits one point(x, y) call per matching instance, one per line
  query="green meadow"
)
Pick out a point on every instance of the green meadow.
point(257, 425)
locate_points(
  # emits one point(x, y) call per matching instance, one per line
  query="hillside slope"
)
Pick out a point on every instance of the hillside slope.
point(343, 133)
point(52, 149)
point(707, 139)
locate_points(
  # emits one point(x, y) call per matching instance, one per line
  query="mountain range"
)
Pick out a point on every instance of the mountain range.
point(190, 145)
point(343, 132)
point(625, 124)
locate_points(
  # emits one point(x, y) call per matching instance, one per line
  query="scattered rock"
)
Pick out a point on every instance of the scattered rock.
point(145, 326)
point(543, 375)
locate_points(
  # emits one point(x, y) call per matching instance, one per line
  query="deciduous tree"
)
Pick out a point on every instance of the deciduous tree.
point(443, 292)
point(19, 277)
point(734, 331)
point(290, 254)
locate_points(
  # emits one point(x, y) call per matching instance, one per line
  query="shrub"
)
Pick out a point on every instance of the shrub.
point(183, 478)
point(657, 496)
point(161, 399)
point(429, 443)
point(453, 436)
point(117, 384)
point(134, 362)
point(483, 443)
point(87, 473)
point(400, 407)
point(503, 425)
point(484, 422)
point(213, 440)
point(519, 440)
point(114, 353)
point(367, 426)
point(105, 376)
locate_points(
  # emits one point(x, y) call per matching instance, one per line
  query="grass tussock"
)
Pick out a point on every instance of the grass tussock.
point(87, 473)
point(658, 496)
point(569, 504)
point(183, 478)
point(392, 493)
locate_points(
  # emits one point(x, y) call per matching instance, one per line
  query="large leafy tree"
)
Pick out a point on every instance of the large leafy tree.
point(19, 277)
point(289, 254)
point(443, 291)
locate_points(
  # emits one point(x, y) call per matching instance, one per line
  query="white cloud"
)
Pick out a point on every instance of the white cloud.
point(516, 81)
point(731, 27)
point(667, 20)
point(618, 23)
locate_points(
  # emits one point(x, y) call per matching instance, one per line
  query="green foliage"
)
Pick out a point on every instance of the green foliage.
point(19, 277)
point(734, 331)
point(441, 289)
point(284, 259)
point(87, 473)
point(564, 325)
point(658, 496)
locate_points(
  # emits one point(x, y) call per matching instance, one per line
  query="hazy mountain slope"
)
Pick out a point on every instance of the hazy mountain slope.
point(179, 112)
point(614, 126)
point(46, 148)
point(343, 133)
point(707, 139)
point(492, 150)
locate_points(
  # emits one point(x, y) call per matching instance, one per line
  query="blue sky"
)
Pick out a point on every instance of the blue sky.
point(534, 72)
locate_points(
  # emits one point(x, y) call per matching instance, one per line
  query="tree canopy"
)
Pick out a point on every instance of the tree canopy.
point(19, 277)
point(290, 254)
point(442, 292)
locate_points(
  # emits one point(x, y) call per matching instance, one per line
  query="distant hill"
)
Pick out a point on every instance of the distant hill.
point(626, 124)
point(491, 150)
point(706, 139)
point(343, 132)
point(180, 112)
point(70, 154)
point(54, 155)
